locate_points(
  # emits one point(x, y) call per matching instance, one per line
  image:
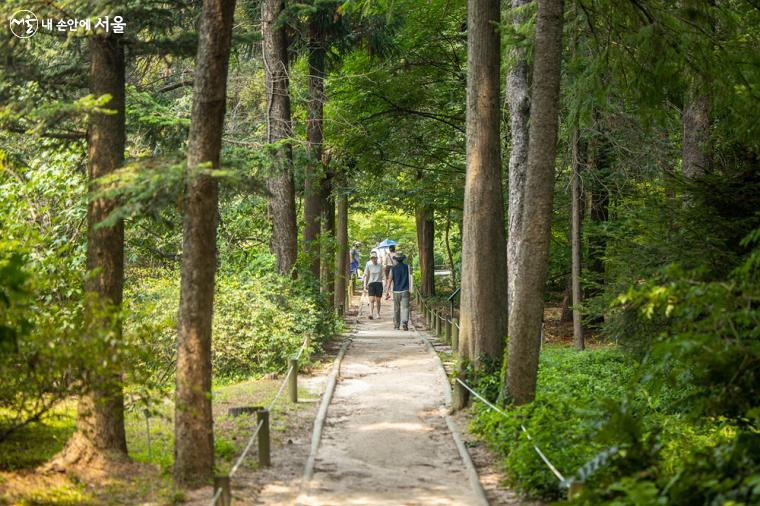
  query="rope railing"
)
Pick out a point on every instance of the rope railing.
point(573, 483)
point(216, 497)
point(245, 451)
point(452, 321)
point(287, 376)
point(522, 427)
point(220, 490)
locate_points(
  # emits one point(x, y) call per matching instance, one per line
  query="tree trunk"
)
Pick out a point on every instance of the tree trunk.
point(575, 242)
point(100, 435)
point(341, 252)
point(566, 311)
point(448, 251)
point(193, 422)
point(533, 250)
point(281, 190)
point(695, 157)
point(695, 146)
point(327, 267)
point(518, 96)
point(597, 209)
point(312, 208)
point(483, 297)
point(425, 239)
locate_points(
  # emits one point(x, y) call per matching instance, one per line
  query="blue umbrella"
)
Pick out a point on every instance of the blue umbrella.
point(386, 243)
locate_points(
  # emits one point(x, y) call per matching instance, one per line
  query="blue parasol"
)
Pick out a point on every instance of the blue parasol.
point(386, 243)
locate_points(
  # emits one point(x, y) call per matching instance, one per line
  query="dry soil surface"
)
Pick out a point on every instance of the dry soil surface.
point(385, 440)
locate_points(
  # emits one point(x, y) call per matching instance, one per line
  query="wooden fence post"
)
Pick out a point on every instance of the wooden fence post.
point(459, 396)
point(455, 335)
point(262, 417)
point(293, 381)
point(223, 482)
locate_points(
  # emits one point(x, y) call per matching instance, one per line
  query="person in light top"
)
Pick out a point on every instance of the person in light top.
point(388, 262)
point(373, 283)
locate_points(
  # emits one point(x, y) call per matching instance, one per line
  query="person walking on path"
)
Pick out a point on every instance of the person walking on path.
point(373, 283)
point(354, 267)
point(400, 280)
point(388, 260)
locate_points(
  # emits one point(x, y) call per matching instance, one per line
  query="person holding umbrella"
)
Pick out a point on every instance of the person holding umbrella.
point(388, 262)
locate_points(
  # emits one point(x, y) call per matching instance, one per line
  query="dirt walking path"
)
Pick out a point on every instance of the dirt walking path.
point(385, 439)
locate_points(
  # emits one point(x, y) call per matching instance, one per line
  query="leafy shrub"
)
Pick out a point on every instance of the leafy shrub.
point(592, 406)
point(702, 369)
point(41, 299)
point(562, 420)
point(260, 320)
point(710, 347)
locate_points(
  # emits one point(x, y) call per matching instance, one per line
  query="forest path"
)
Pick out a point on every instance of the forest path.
point(385, 439)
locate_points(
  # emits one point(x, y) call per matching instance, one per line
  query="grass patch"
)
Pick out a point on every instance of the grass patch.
point(150, 443)
point(69, 494)
point(37, 442)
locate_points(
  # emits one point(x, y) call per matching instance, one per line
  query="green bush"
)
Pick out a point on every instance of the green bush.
point(701, 370)
point(562, 421)
point(260, 320)
point(678, 427)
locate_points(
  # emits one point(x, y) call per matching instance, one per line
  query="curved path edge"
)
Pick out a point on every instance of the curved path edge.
point(319, 421)
point(472, 473)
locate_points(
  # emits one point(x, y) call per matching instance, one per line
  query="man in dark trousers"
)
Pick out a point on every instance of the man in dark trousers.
point(400, 281)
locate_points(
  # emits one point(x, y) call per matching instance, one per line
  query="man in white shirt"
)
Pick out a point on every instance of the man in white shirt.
point(373, 283)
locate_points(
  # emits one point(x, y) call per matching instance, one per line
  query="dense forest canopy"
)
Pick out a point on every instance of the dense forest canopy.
point(177, 204)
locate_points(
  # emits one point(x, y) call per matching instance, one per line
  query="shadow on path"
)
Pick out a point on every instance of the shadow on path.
point(385, 439)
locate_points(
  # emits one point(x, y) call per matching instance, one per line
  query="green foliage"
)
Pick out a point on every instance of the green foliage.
point(35, 443)
point(570, 401)
point(372, 228)
point(681, 427)
point(709, 347)
point(260, 321)
point(41, 300)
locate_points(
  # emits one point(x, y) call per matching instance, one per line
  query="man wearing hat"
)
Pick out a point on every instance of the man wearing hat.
point(373, 283)
point(400, 281)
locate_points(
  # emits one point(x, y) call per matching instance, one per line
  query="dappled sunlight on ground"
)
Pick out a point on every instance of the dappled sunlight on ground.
point(385, 440)
point(389, 426)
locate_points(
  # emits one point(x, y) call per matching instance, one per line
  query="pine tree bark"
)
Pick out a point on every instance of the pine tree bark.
point(533, 250)
point(695, 149)
point(100, 435)
point(483, 296)
point(327, 267)
point(695, 159)
point(281, 197)
point(518, 97)
point(312, 208)
point(575, 243)
point(425, 240)
point(597, 210)
point(447, 242)
point(193, 422)
point(341, 253)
